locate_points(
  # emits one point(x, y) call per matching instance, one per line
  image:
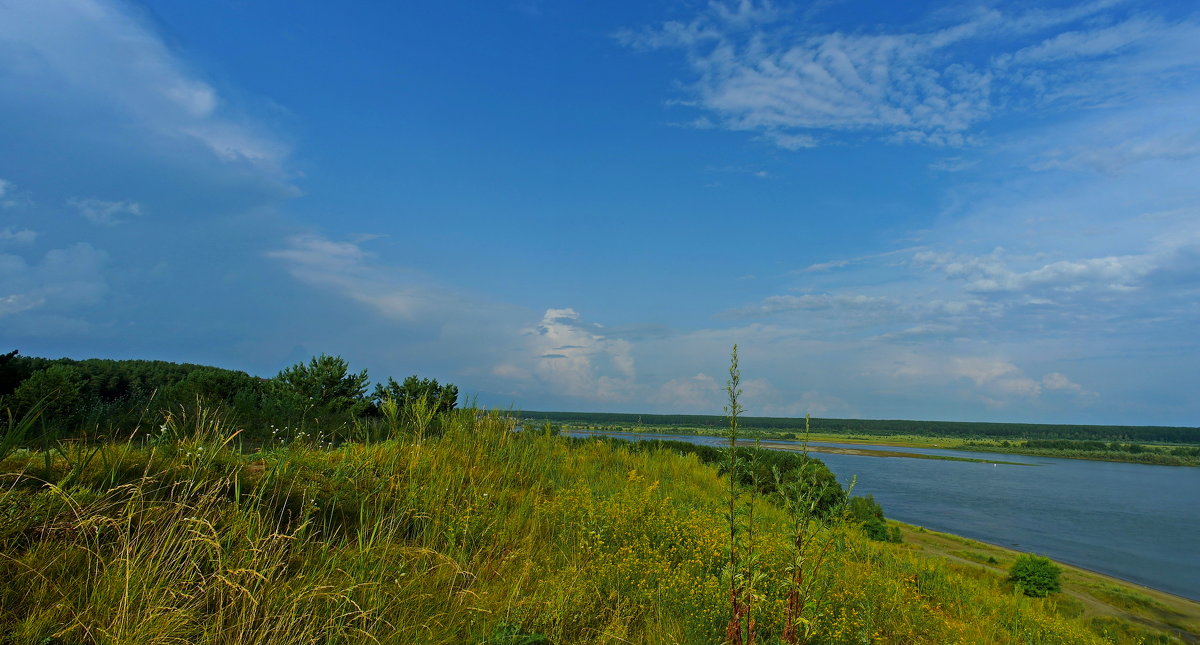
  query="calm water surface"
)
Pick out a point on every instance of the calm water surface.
point(1132, 521)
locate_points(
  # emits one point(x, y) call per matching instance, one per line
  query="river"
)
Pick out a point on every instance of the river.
point(1135, 522)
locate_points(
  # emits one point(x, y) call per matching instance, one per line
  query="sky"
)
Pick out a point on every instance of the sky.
point(981, 211)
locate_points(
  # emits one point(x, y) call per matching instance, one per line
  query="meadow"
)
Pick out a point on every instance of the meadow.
point(452, 529)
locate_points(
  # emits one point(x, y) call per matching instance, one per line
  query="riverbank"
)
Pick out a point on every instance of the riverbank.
point(1056, 509)
point(1151, 454)
point(869, 452)
point(817, 446)
point(1105, 601)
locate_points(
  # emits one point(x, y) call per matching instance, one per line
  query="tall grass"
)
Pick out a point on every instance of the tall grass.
point(474, 533)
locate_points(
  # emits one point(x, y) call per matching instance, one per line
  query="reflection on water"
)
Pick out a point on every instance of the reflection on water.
point(1133, 521)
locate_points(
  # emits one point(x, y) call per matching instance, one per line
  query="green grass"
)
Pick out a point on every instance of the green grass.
point(477, 534)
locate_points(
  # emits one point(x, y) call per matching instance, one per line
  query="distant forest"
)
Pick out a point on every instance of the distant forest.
point(104, 397)
point(877, 427)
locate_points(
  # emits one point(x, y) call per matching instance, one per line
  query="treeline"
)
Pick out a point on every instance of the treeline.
point(1111, 451)
point(960, 429)
point(101, 396)
point(1100, 446)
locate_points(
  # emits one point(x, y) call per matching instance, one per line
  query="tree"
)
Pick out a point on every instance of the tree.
point(11, 373)
point(214, 385)
point(58, 388)
point(1035, 576)
point(442, 398)
point(327, 382)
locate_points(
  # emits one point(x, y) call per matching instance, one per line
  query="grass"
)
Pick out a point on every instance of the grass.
point(1122, 611)
point(476, 534)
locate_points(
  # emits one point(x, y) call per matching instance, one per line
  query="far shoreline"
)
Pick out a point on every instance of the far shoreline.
point(898, 441)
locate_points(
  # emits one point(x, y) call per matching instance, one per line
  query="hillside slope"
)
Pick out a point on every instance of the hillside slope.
point(480, 535)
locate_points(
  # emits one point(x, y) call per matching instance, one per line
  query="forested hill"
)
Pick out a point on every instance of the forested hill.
point(102, 379)
point(963, 429)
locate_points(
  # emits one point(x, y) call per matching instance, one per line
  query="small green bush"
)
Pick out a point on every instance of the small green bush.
point(868, 512)
point(1035, 576)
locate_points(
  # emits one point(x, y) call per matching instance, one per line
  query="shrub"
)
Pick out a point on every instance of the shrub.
point(868, 512)
point(1035, 576)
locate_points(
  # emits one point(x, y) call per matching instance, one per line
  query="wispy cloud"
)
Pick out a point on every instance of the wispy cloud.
point(993, 273)
point(106, 213)
point(755, 69)
point(64, 282)
point(815, 302)
point(350, 271)
point(107, 54)
point(10, 197)
point(17, 236)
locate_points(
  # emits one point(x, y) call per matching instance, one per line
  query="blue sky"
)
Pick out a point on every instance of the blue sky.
point(977, 211)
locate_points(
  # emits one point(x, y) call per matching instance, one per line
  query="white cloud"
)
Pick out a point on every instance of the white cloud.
point(699, 392)
point(106, 54)
point(106, 213)
point(18, 236)
point(18, 302)
point(1058, 381)
point(993, 272)
point(995, 379)
point(577, 359)
point(752, 70)
point(1088, 43)
point(10, 198)
point(815, 302)
point(953, 164)
point(65, 281)
point(345, 268)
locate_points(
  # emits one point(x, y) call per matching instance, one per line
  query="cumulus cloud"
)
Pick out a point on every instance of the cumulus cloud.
point(753, 69)
point(577, 359)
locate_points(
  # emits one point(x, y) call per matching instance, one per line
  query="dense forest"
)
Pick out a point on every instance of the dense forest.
point(112, 397)
point(879, 427)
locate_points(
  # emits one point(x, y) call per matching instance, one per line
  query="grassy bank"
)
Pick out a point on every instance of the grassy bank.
point(1109, 604)
point(471, 533)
